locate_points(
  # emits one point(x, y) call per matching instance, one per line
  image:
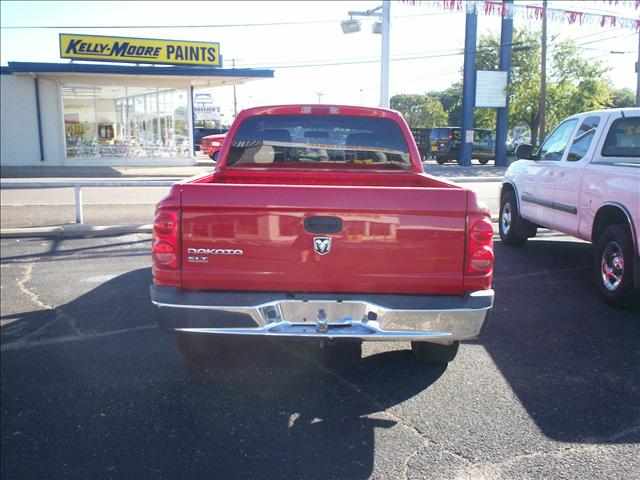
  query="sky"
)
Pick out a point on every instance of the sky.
point(429, 33)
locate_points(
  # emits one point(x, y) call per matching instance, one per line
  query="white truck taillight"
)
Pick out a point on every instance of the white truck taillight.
point(479, 244)
point(165, 239)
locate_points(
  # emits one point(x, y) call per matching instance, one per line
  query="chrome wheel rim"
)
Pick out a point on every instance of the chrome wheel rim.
point(612, 266)
point(505, 218)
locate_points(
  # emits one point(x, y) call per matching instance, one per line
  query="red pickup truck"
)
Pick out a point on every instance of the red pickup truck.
point(320, 223)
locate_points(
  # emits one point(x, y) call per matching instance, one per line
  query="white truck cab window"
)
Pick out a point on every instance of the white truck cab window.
point(556, 143)
point(583, 138)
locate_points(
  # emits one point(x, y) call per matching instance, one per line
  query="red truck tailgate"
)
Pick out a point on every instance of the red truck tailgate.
point(253, 237)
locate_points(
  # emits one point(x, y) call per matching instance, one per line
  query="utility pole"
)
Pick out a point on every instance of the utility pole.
point(384, 68)
point(468, 86)
point(383, 27)
point(543, 77)
point(320, 95)
point(638, 75)
point(502, 117)
point(235, 100)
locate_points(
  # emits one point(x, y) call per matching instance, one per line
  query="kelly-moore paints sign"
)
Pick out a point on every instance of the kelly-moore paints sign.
point(139, 50)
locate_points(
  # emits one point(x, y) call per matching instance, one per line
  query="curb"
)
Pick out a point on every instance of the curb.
point(472, 179)
point(74, 231)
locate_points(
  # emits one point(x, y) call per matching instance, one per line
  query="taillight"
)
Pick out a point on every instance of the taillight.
point(479, 245)
point(165, 254)
point(164, 223)
point(165, 239)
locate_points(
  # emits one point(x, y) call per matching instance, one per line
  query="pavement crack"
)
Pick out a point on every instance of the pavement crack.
point(495, 469)
point(35, 299)
point(21, 344)
point(405, 464)
point(426, 440)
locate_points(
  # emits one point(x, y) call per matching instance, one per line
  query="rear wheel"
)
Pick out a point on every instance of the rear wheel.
point(441, 161)
point(435, 352)
point(613, 265)
point(483, 161)
point(514, 230)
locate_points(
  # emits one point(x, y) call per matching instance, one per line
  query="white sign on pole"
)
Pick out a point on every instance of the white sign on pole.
point(206, 112)
point(469, 137)
point(491, 89)
point(203, 98)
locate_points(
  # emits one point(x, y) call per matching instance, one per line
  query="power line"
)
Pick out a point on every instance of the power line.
point(221, 25)
point(366, 60)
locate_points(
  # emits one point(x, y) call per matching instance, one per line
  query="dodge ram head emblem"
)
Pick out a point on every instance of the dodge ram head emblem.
point(322, 245)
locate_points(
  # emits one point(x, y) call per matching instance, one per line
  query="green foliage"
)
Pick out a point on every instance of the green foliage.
point(574, 84)
point(420, 111)
point(622, 98)
point(451, 100)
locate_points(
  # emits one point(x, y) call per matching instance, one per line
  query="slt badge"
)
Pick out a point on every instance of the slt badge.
point(322, 245)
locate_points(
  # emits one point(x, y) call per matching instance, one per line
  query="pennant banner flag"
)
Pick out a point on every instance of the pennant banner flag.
point(535, 12)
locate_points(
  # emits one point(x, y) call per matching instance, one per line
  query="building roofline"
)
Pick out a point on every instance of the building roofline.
point(113, 69)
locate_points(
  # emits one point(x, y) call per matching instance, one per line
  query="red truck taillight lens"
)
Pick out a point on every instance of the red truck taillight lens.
point(480, 245)
point(165, 254)
point(165, 239)
point(164, 224)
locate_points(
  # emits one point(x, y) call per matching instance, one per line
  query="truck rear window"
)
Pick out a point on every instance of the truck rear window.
point(319, 140)
point(623, 140)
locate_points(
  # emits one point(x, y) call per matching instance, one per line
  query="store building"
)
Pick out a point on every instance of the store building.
point(89, 114)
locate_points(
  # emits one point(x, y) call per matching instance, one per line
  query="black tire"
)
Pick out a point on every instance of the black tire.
point(441, 161)
point(514, 230)
point(214, 157)
point(198, 349)
point(613, 266)
point(483, 161)
point(435, 352)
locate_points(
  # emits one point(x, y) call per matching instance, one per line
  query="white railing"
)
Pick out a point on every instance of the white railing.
point(77, 186)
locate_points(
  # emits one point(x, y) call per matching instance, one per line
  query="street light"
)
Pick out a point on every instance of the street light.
point(384, 27)
point(350, 26)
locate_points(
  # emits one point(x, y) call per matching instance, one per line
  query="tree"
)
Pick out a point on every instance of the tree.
point(574, 84)
point(451, 100)
point(420, 111)
point(622, 98)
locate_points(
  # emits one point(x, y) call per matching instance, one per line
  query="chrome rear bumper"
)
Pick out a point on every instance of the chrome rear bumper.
point(373, 317)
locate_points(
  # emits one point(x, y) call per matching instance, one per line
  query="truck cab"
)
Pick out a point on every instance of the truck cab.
point(584, 181)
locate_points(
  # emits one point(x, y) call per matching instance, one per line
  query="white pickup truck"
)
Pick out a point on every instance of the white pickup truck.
point(583, 181)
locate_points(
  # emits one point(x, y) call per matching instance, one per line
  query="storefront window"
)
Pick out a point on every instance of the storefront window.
point(114, 121)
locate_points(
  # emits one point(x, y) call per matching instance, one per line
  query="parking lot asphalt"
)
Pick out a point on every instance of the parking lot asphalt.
point(90, 388)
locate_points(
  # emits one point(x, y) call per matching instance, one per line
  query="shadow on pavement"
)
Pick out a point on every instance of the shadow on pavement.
point(573, 361)
point(124, 405)
point(119, 304)
point(56, 250)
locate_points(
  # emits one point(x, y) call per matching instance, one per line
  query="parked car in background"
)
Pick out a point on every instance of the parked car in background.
point(583, 181)
point(319, 224)
point(200, 132)
point(211, 145)
point(422, 138)
point(445, 144)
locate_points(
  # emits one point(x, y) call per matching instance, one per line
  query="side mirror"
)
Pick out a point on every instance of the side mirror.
point(524, 152)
